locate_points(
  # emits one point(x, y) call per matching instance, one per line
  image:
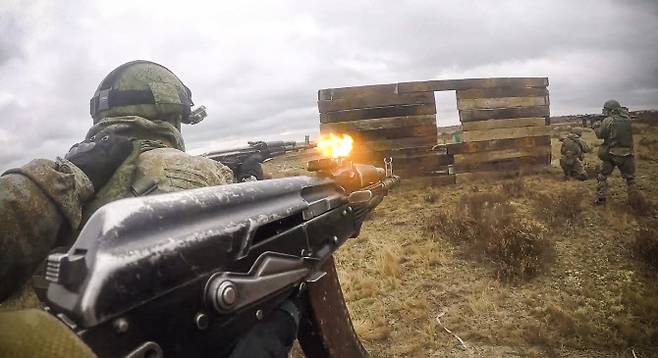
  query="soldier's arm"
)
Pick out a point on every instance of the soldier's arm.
point(37, 202)
point(601, 128)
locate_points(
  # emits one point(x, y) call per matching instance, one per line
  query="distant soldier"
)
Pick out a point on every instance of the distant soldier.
point(616, 149)
point(573, 150)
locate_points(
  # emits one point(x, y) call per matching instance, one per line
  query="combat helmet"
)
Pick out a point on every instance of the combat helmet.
point(145, 89)
point(610, 106)
point(576, 131)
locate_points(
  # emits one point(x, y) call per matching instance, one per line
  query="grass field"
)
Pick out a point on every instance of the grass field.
point(589, 292)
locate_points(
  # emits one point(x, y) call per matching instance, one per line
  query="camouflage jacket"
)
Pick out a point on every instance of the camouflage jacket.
point(617, 135)
point(45, 203)
point(574, 147)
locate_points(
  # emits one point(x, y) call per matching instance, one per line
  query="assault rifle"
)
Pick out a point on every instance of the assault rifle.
point(245, 161)
point(188, 273)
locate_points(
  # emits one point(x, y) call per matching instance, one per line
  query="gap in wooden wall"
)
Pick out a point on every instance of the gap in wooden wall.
point(446, 109)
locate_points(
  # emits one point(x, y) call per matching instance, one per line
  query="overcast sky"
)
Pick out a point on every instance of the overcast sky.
point(257, 66)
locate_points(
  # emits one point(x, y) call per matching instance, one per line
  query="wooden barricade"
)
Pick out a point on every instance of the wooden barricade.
point(385, 123)
point(504, 121)
point(505, 128)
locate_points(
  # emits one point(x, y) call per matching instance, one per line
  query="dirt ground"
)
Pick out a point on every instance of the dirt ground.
point(595, 298)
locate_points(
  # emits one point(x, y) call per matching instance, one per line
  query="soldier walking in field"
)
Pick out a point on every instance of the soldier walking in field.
point(573, 150)
point(616, 149)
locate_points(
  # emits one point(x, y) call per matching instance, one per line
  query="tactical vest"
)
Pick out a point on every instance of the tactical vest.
point(620, 133)
point(153, 169)
point(157, 163)
point(570, 147)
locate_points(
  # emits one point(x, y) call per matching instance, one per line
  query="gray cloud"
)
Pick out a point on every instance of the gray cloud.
point(258, 68)
point(12, 33)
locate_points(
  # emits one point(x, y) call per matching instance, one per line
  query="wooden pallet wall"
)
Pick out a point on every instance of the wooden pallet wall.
point(505, 128)
point(383, 123)
point(504, 124)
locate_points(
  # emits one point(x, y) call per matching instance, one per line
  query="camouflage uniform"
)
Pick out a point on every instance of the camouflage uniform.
point(616, 149)
point(572, 150)
point(44, 203)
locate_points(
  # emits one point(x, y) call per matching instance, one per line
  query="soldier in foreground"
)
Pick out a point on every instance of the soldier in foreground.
point(134, 148)
point(573, 149)
point(616, 151)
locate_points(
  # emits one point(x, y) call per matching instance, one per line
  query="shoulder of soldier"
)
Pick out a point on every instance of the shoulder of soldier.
point(607, 121)
point(171, 159)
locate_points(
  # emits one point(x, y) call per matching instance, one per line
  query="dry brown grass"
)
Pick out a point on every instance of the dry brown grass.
point(652, 143)
point(372, 330)
point(647, 145)
point(645, 244)
point(561, 206)
point(596, 300)
point(640, 205)
point(494, 232)
point(592, 169)
point(514, 188)
point(358, 286)
point(638, 323)
point(389, 263)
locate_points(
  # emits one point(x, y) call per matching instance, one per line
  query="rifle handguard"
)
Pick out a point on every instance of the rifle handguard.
point(354, 177)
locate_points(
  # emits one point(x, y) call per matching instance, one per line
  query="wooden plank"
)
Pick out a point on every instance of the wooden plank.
point(505, 164)
point(500, 133)
point(390, 133)
point(497, 144)
point(504, 123)
point(462, 84)
point(381, 112)
point(497, 155)
point(503, 102)
point(430, 86)
point(430, 160)
point(504, 113)
point(357, 91)
point(379, 123)
point(411, 153)
point(442, 174)
point(389, 144)
point(341, 104)
point(499, 92)
point(376, 157)
point(439, 158)
point(421, 167)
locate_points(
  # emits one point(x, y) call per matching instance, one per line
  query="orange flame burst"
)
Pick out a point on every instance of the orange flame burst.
point(335, 146)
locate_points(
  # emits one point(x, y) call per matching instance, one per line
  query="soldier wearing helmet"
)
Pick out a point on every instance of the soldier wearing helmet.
point(616, 151)
point(572, 153)
point(134, 148)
